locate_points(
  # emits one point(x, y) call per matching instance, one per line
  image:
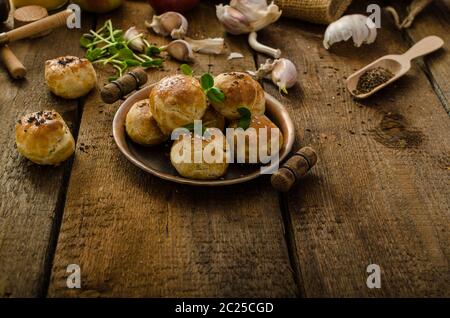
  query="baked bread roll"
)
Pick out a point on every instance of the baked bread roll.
point(212, 119)
point(249, 152)
point(240, 90)
point(176, 101)
point(211, 152)
point(69, 76)
point(44, 138)
point(141, 127)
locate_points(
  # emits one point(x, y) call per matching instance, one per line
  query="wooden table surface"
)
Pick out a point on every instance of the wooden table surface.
point(380, 193)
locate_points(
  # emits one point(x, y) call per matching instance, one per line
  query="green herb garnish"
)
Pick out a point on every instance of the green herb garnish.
point(246, 116)
point(108, 46)
point(207, 81)
point(213, 93)
point(186, 69)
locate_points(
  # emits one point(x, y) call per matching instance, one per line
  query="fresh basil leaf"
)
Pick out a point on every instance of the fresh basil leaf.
point(207, 81)
point(215, 95)
point(186, 69)
point(152, 50)
point(244, 112)
point(246, 116)
point(243, 123)
point(85, 42)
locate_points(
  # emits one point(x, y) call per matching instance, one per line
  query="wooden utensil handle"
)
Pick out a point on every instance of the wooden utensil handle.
point(124, 85)
point(51, 22)
point(426, 45)
point(293, 169)
point(12, 63)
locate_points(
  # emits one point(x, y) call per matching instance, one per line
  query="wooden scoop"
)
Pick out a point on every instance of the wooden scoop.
point(396, 64)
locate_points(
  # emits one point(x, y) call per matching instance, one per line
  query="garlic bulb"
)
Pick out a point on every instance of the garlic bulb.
point(249, 16)
point(245, 16)
point(207, 46)
point(233, 21)
point(134, 39)
point(179, 50)
point(357, 26)
point(169, 23)
point(282, 72)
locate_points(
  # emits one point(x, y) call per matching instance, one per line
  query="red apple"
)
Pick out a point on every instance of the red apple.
point(161, 6)
point(98, 6)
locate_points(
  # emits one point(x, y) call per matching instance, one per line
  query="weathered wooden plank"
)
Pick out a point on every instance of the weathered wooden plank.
point(380, 191)
point(31, 197)
point(435, 20)
point(135, 235)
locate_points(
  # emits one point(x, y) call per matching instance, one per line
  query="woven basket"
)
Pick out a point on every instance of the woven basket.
point(316, 11)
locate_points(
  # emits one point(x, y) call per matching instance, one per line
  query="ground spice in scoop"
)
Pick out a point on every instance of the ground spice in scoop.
point(371, 79)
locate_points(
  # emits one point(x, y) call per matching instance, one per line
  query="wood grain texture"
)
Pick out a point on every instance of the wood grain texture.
point(380, 190)
point(435, 20)
point(30, 195)
point(136, 235)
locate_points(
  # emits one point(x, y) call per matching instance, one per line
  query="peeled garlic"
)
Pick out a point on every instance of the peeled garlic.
point(282, 72)
point(235, 55)
point(207, 46)
point(169, 23)
point(179, 50)
point(134, 39)
point(357, 26)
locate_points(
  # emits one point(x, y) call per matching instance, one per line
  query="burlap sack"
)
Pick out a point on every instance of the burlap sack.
point(316, 11)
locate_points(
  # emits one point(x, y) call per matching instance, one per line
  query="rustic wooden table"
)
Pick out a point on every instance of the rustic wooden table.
point(380, 192)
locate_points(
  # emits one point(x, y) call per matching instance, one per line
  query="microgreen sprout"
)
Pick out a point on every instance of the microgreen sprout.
point(108, 46)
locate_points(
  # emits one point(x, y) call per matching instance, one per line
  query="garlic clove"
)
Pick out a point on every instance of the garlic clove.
point(134, 39)
point(284, 74)
point(233, 21)
point(169, 23)
point(356, 26)
point(207, 46)
point(179, 50)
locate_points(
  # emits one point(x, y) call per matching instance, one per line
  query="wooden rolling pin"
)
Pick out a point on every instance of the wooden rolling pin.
point(13, 65)
point(37, 27)
point(293, 169)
